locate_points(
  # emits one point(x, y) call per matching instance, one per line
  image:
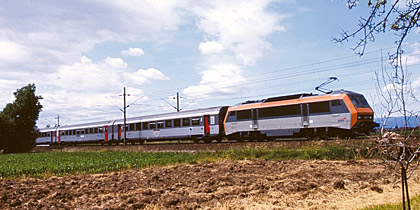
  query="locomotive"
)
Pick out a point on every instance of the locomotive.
point(338, 113)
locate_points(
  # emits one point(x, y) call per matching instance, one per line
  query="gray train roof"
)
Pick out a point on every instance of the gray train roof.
point(147, 118)
point(294, 96)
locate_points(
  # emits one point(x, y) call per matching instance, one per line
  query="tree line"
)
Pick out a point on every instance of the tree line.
point(18, 130)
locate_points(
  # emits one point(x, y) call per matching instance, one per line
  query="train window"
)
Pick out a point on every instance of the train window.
point(338, 106)
point(195, 121)
point(319, 107)
point(335, 103)
point(138, 126)
point(244, 115)
point(279, 111)
point(96, 130)
point(63, 133)
point(177, 123)
point(231, 117)
point(160, 124)
point(359, 101)
point(101, 130)
point(82, 132)
point(145, 125)
point(132, 127)
point(168, 123)
point(91, 130)
point(186, 122)
point(212, 120)
point(152, 125)
point(86, 130)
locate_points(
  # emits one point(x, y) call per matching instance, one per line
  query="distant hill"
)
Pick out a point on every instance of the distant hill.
point(399, 122)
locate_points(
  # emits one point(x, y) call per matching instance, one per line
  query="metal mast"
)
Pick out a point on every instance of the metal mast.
point(125, 118)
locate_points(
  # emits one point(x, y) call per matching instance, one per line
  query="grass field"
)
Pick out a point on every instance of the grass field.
point(63, 163)
point(414, 203)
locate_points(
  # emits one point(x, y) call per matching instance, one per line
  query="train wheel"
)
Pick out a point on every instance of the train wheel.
point(219, 139)
point(207, 140)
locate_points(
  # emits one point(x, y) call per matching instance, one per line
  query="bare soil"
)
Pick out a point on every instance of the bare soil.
point(248, 184)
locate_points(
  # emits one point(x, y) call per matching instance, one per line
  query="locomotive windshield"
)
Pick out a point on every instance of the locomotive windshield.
point(359, 101)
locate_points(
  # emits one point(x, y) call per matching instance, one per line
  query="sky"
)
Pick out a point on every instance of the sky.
point(80, 54)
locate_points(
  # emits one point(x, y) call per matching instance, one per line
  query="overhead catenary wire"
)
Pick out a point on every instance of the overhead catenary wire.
point(267, 81)
point(295, 68)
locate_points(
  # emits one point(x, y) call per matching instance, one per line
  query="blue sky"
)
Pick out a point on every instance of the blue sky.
point(80, 54)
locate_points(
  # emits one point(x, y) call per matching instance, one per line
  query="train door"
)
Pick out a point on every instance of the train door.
point(254, 120)
point(52, 136)
point(206, 125)
point(305, 116)
point(119, 131)
point(106, 133)
point(59, 136)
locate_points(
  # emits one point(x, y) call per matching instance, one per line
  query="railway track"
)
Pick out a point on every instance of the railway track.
point(193, 147)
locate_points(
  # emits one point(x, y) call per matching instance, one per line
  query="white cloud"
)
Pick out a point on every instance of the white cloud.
point(89, 76)
point(53, 34)
point(210, 47)
point(412, 57)
point(217, 80)
point(84, 88)
point(239, 26)
point(49, 43)
point(137, 52)
point(416, 88)
point(116, 63)
point(143, 76)
point(11, 52)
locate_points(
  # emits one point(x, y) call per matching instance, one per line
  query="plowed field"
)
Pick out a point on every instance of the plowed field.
point(248, 184)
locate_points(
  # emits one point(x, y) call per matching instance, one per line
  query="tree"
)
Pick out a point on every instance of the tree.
point(400, 148)
point(399, 17)
point(18, 121)
point(384, 16)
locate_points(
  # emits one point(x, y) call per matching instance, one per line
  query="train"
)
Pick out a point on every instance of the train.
point(341, 113)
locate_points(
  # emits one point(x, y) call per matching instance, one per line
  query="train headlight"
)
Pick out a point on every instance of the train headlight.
point(359, 117)
point(370, 117)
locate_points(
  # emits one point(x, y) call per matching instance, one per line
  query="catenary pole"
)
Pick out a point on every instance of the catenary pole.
point(177, 101)
point(125, 118)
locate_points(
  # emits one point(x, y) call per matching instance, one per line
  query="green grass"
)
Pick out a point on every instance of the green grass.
point(414, 202)
point(63, 163)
